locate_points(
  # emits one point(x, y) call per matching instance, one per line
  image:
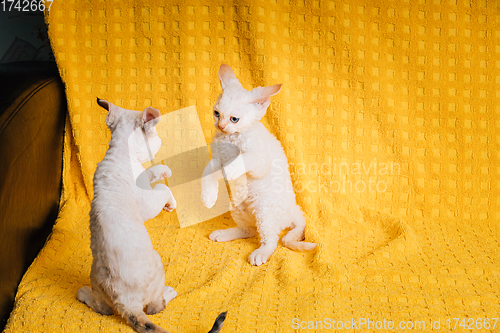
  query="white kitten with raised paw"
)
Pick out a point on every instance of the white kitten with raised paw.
point(256, 167)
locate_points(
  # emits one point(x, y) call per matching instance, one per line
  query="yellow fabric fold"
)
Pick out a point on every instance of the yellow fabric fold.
point(389, 115)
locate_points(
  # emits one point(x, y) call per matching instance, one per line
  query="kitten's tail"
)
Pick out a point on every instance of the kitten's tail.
point(219, 322)
point(141, 323)
point(293, 239)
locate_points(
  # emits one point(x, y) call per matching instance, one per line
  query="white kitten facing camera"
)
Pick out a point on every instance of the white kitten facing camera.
point(127, 275)
point(262, 196)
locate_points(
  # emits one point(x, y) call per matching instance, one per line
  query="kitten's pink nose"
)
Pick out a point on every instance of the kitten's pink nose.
point(221, 127)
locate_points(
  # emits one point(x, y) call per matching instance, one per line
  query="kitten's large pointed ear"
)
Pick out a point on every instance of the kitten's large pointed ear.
point(102, 103)
point(110, 118)
point(226, 75)
point(150, 117)
point(261, 95)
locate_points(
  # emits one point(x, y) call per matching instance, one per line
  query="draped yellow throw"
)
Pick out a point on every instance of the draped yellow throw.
point(389, 115)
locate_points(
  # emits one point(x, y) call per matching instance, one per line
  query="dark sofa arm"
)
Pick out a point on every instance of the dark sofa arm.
point(32, 118)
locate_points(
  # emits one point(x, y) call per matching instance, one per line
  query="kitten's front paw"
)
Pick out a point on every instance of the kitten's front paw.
point(209, 198)
point(259, 257)
point(170, 207)
point(171, 203)
point(209, 192)
point(159, 172)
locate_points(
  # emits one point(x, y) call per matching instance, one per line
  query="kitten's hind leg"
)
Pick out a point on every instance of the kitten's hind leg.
point(94, 301)
point(155, 307)
point(169, 294)
point(226, 235)
point(158, 305)
point(269, 235)
point(262, 254)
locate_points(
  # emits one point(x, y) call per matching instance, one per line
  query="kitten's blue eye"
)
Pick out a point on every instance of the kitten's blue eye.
point(216, 113)
point(234, 119)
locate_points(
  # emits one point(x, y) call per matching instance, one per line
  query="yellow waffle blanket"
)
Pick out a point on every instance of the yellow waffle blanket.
point(390, 118)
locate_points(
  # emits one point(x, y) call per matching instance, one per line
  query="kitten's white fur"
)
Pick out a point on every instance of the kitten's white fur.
point(127, 274)
point(261, 188)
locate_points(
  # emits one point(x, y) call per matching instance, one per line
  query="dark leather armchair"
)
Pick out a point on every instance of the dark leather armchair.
point(32, 117)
